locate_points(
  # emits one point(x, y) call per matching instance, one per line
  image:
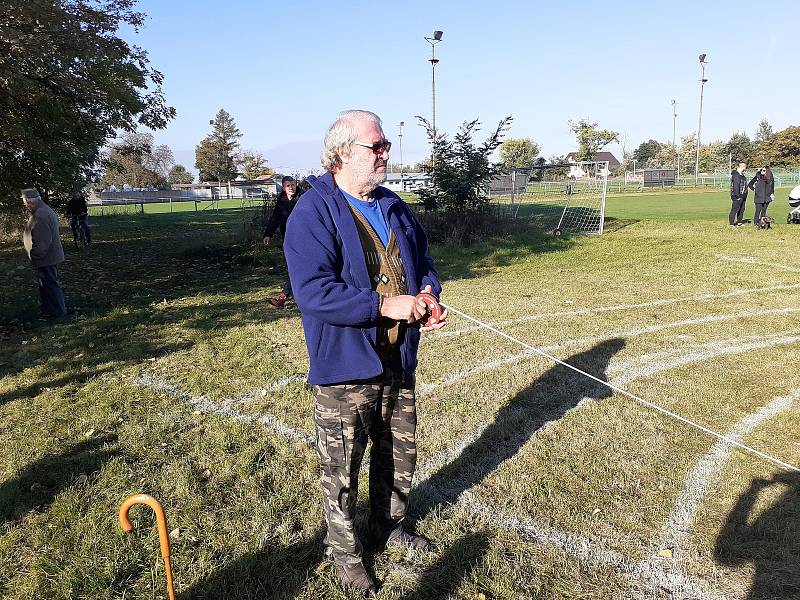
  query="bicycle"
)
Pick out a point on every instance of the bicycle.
point(79, 233)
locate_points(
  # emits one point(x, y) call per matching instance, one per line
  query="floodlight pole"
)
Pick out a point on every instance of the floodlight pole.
point(437, 37)
point(703, 81)
point(674, 124)
point(400, 135)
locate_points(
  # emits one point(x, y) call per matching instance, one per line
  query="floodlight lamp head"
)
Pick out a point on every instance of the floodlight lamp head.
point(702, 58)
point(437, 35)
point(402, 123)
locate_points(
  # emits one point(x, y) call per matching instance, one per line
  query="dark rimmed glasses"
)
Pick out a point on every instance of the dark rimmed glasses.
point(377, 147)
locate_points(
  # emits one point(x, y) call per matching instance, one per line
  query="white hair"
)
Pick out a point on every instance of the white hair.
point(31, 194)
point(341, 135)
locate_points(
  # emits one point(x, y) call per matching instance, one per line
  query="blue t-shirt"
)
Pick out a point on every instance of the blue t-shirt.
point(373, 214)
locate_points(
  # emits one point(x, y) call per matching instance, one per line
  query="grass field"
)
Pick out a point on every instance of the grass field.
point(175, 378)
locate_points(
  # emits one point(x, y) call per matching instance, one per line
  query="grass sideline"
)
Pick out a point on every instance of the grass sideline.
point(164, 380)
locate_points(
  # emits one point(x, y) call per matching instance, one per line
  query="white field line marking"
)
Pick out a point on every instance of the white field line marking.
point(618, 307)
point(429, 387)
point(270, 389)
point(752, 260)
point(705, 352)
point(705, 473)
point(585, 550)
point(224, 407)
point(662, 361)
point(633, 397)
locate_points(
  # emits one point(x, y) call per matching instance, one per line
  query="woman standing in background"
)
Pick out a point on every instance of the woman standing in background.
point(763, 184)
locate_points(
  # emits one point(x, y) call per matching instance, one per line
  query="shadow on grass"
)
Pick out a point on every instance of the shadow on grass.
point(38, 484)
point(555, 392)
point(267, 573)
point(134, 264)
point(457, 563)
point(769, 539)
point(282, 572)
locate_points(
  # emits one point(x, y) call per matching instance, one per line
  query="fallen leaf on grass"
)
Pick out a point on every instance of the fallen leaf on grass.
point(175, 534)
point(665, 553)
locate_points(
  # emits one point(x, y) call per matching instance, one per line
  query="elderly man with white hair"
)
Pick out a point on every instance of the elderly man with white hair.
point(357, 258)
point(43, 244)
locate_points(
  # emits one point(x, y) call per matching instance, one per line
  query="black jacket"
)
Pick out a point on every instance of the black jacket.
point(738, 186)
point(283, 208)
point(77, 206)
point(763, 190)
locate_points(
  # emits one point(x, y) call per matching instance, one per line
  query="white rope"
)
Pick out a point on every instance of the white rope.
point(655, 407)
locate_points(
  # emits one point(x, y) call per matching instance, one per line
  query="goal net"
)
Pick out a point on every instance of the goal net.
point(560, 198)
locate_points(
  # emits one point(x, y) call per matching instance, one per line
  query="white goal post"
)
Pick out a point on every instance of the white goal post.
point(560, 198)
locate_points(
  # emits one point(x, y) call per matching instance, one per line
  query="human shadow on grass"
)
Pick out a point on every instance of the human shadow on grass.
point(769, 539)
point(547, 399)
point(38, 484)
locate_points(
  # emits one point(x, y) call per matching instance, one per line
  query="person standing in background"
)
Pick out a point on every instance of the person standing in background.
point(284, 205)
point(738, 195)
point(43, 244)
point(763, 184)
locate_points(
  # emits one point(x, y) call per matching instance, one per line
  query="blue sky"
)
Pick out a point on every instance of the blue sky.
point(285, 70)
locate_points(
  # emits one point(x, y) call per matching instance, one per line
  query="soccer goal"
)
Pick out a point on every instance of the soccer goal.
point(560, 198)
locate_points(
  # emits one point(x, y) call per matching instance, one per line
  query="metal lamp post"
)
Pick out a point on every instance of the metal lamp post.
point(674, 123)
point(437, 37)
point(703, 80)
point(400, 135)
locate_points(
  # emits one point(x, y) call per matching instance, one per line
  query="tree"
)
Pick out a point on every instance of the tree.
point(69, 84)
point(215, 155)
point(179, 174)
point(160, 160)
point(739, 148)
point(518, 152)
point(252, 164)
point(590, 139)
point(461, 168)
point(781, 149)
point(764, 131)
point(130, 161)
point(646, 154)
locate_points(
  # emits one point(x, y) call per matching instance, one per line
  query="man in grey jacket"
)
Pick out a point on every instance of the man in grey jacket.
point(43, 245)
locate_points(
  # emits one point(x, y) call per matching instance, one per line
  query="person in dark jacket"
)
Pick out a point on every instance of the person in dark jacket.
point(357, 258)
point(738, 195)
point(43, 244)
point(286, 201)
point(763, 184)
point(78, 213)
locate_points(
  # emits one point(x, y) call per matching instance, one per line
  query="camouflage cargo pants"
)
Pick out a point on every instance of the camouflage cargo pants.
point(346, 417)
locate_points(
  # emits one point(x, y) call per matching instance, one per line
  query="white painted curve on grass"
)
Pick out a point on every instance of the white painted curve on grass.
point(704, 475)
point(752, 260)
point(656, 365)
point(427, 388)
point(652, 574)
point(224, 408)
point(618, 307)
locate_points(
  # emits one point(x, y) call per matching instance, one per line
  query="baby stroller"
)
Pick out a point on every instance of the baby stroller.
point(794, 202)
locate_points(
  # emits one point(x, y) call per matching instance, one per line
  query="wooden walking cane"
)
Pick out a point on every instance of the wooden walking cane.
point(163, 534)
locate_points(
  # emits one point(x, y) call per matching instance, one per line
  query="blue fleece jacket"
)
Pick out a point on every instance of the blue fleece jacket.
point(332, 287)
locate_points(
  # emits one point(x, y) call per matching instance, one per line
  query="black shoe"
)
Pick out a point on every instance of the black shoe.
point(354, 576)
point(400, 538)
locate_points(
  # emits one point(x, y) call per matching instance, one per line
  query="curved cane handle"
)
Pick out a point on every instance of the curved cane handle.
point(161, 522)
